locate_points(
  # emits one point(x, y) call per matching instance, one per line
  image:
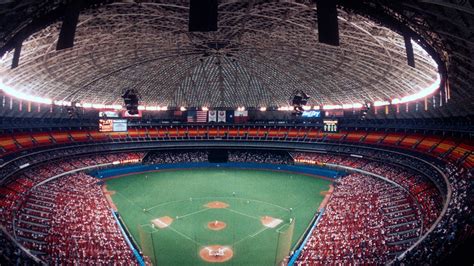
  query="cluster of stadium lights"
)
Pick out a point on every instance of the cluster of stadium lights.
point(23, 96)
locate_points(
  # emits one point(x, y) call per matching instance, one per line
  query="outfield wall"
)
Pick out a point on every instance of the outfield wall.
point(302, 169)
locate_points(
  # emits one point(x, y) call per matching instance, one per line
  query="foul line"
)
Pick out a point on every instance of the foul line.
point(253, 235)
point(185, 236)
point(244, 214)
point(123, 196)
point(189, 214)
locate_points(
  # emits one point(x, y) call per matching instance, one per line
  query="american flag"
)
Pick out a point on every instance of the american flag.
point(191, 116)
point(201, 116)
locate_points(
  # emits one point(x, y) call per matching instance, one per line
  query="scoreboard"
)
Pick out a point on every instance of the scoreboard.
point(112, 125)
point(330, 126)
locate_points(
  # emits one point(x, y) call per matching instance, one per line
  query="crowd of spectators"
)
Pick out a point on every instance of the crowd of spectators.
point(165, 157)
point(419, 186)
point(32, 158)
point(427, 186)
point(31, 213)
point(80, 227)
point(455, 226)
point(260, 157)
point(367, 221)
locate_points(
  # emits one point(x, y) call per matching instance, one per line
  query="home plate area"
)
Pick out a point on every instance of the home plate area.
point(216, 253)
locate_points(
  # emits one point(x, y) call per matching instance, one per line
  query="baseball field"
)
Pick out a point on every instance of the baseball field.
point(223, 216)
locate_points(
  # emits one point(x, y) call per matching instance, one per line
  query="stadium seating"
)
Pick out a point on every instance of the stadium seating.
point(45, 221)
point(430, 145)
point(367, 221)
point(404, 218)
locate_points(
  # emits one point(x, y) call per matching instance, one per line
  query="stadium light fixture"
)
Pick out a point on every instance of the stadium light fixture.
point(331, 107)
point(204, 108)
point(381, 103)
point(182, 108)
point(263, 108)
point(23, 96)
point(36, 99)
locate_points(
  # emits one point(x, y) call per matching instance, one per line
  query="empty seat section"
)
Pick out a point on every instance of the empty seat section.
point(182, 132)
point(460, 151)
point(374, 137)
point(79, 135)
point(292, 133)
point(153, 133)
point(142, 133)
point(118, 135)
point(253, 132)
point(335, 136)
point(7, 143)
point(427, 143)
point(410, 140)
point(61, 137)
point(96, 135)
point(222, 131)
point(192, 132)
point(392, 139)
point(313, 133)
point(355, 136)
point(262, 132)
point(24, 140)
point(42, 138)
point(163, 133)
point(233, 132)
point(133, 133)
point(469, 162)
point(273, 133)
point(444, 146)
point(173, 132)
point(212, 132)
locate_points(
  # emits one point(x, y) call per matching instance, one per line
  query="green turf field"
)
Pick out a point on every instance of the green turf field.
point(250, 195)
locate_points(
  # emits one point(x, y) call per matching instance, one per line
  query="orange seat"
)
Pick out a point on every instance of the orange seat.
point(61, 137)
point(427, 143)
point(355, 136)
point(233, 132)
point(392, 138)
point(410, 140)
point(42, 138)
point(79, 135)
point(8, 143)
point(374, 137)
point(24, 140)
point(96, 135)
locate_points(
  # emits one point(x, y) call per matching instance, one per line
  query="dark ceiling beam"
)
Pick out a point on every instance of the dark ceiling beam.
point(68, 27)
point(42, 22)
point(328, 27)
point(378, 12)
point(202, 15)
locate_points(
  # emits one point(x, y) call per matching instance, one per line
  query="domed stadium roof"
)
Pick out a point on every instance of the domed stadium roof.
point(261, 53)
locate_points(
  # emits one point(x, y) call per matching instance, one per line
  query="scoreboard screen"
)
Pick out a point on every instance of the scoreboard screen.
point(311, 114)
point(112, 125)
point(330, 126)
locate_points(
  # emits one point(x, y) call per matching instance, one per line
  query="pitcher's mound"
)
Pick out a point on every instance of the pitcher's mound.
point(271, 222)
point(216, 225)
point(216, 205)
point(216, 253)
point(163, 222)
